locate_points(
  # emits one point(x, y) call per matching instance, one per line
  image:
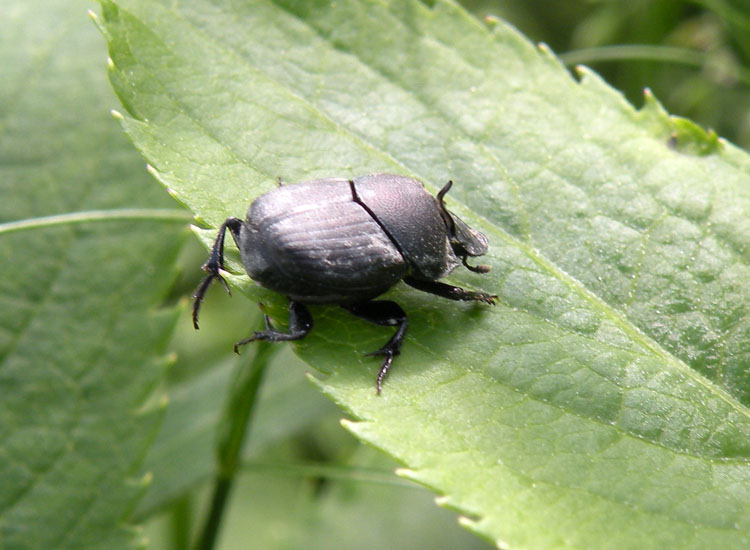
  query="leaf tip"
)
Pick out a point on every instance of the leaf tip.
point(650, 99)
point(582, 71)
point(317, 382)
point(546, 50)
point(348, 424)
point(492, 21)
point(173, 193)
point(548, 54)
point(406, 473)
point(98, 22)
point(141, 483)
point(590, 78)
point(146, 480)
point(465, 521)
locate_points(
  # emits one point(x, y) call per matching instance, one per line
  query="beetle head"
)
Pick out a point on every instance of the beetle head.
point(464, 240)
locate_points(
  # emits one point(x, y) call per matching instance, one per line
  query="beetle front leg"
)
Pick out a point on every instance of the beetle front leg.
point(214, 264)
point(385, 313)
point(451, 292)
point(300, 324)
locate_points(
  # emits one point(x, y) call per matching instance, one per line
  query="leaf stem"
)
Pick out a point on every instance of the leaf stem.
point(341, 472)
point(643, 52)
point(87, 216)
point(179, 523)
point(646, 52)
point(234, 429)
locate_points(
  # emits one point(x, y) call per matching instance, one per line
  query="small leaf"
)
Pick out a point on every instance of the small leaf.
point(603, 402)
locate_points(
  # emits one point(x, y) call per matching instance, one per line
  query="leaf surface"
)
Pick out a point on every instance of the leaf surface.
point(86, 252)
point(603, 402)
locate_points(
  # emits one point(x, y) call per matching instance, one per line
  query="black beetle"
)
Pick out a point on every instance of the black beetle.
point(345, 242)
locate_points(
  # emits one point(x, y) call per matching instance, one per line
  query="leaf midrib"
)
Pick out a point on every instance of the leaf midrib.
point(166, 215)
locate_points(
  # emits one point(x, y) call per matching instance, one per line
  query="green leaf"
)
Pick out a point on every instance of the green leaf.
point(86, 253)
point(603, 402)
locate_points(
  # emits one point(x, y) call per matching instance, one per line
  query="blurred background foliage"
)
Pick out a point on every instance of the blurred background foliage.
point(694, 56)
point(306, 482)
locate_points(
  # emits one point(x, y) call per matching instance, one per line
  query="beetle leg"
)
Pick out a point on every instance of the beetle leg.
point(300, 324)
point(214, 264)
point(385, 313)
point(450, 292)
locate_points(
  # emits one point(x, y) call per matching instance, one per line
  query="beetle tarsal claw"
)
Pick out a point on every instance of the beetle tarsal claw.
point(490, 299)
point(200, 292)
point(252, 338)
point(389, 353)
point(384, 368)
point(198, 297)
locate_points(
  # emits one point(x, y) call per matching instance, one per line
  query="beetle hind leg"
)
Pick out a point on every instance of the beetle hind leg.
point(384, 313)
point(300, 324)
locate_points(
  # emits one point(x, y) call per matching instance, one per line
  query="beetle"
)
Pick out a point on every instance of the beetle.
point(346, 241)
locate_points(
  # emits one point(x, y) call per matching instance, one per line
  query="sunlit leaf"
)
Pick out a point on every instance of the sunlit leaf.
point(603, 402)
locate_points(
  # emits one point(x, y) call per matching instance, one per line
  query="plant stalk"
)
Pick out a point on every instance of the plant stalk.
point(233, 432)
